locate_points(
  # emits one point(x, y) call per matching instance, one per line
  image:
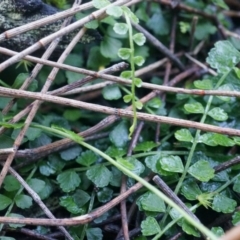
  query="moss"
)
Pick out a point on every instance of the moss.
point(15, 13)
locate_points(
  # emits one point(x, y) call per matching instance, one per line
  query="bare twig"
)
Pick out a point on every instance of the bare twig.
point(118, 112)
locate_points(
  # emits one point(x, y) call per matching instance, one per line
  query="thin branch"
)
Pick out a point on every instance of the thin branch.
point(75, 220)
point(118, 112)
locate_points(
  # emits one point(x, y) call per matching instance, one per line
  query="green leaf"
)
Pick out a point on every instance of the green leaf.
point(53, 165)
point(120, 28)
point(221, 4)
point(92, 24)
point(113, 152)
point(72, 114)
point(225, 87)
point(127, 98)
point(139, 105)
point(114, 11)
point(112, 92)
point(236, 218)
point(23, 201)
point(190, 190)
point(236, 140)
point(184, 27)
point(202, 171)
point(87, 158)
point(100, 3)
point(4, 202)
point(91, 61)
point(137, 82)
point(218, 231)
point(223, 204)
point(116, 180)
point(7, 238)
point(159, 24)
point(33, 133)
point(203, 30)
point(150, 226)
point(214, 139)
point(68, 180)
point(208, 139)
point(236, 185)
point(124, 53)
point(130, 14)
point(139, 39)
point(81, 197)
point(99, 175)
point(194, 107)
point(189, 229)
point(126, 74)
point(109, 47)
point(70, 205)
point(71, 153)
point(94, 234)
point(47, 190)
point(218, 114)
point(155, 103)
point(11, 184)
point(151, 202)
point(172, 164)
point(223, 57)
point(183, 135)
point(205, 84)
point(36, 184)
point(6, 141)
point(237, 71)
point(151, 162)
point(125, 163)
point(15, 225)
point(145, 146)
point(21, 78)
point(138, 166)
point(139, 60)
point(119, 135)
point(105, 195)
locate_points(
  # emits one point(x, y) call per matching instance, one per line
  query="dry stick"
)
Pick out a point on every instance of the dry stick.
point(118, 112)
point(227, 164)
point(201, 64)
point(98, 86)
point(66, 89)
point(124, 217)
point(231, 13)
point(168, 192)
point(159, 46)
point(128, 82)
point(76, 220)
point(192, 32)
point(46, 40)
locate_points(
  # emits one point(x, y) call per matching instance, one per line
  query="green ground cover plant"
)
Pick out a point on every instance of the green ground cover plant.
point(142, 149)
